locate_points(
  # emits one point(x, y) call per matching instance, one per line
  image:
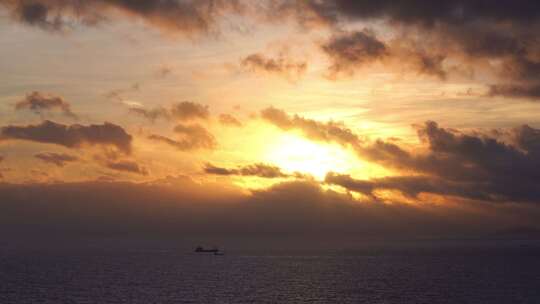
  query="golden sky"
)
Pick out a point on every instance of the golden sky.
point(429, 110)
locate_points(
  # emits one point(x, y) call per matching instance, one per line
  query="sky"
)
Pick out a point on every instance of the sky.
point(309, 118)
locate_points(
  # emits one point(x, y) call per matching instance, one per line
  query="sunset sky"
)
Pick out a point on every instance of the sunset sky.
point(278, 117)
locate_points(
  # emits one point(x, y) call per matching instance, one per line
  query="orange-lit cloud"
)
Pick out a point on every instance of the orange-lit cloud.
point(192, 136)
point(260, 170)
point(229, 120)
point(331, 151)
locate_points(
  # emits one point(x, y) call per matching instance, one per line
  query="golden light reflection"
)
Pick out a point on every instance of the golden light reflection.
point(294, 153)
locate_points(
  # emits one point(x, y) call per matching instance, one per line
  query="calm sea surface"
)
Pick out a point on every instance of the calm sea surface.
point(405, 272)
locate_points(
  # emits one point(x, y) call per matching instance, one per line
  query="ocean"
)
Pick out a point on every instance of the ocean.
point(375, 272)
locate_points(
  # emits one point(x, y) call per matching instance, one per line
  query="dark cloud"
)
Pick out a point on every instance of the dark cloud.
point(37, 14)
point(191, 137)
point(182, 111)
point(229, 120)
point(471, 33)
point(127, 166)
point(179, 207)
point(259, 170)
point(516, 91)
point(281, 65)
point(71, 136)
point(39, 102)
point(412, 186)
point(442, 37)
point(431, 65)
point(329, 131)
point(58, 159)
point(351, 50)
point(188, 17)
point(482, 166)
point(426, 13)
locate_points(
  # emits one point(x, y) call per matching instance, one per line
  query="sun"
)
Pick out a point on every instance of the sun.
point(294, 153)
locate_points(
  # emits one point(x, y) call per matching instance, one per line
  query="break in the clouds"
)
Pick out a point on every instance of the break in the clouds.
point(57, 159)
point(329, 131)
point(71, 136)
point(40, 102)
point(481, 166)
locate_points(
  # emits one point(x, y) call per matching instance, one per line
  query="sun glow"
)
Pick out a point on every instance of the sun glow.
point(293, 153)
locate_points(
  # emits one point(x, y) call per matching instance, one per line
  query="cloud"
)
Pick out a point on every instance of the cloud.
point(71, 136)
point(440, 39)
point(188, 17)
point(350, 50)
point(417, 12)
point(516, 91)
point(192, 137)
point(127, 166)
point(412, 186)
point(151, 114)
point(259, 170)
point(39, 102)
point(187, 110)
point(482, 165)
point(180, 207)
point(58, 159)
point(455, 33)
point(431, 65)
point(281, 65)
point(37, 14)
point(329, 131)
point(229, 120)
point(182, 111)
point(478, 165)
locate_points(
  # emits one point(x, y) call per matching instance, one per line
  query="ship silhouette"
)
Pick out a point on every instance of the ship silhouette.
point(214, 250)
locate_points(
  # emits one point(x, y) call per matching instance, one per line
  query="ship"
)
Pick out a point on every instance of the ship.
point(214, 250)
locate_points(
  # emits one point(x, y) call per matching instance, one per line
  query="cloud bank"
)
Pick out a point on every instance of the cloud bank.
point(179, 207)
